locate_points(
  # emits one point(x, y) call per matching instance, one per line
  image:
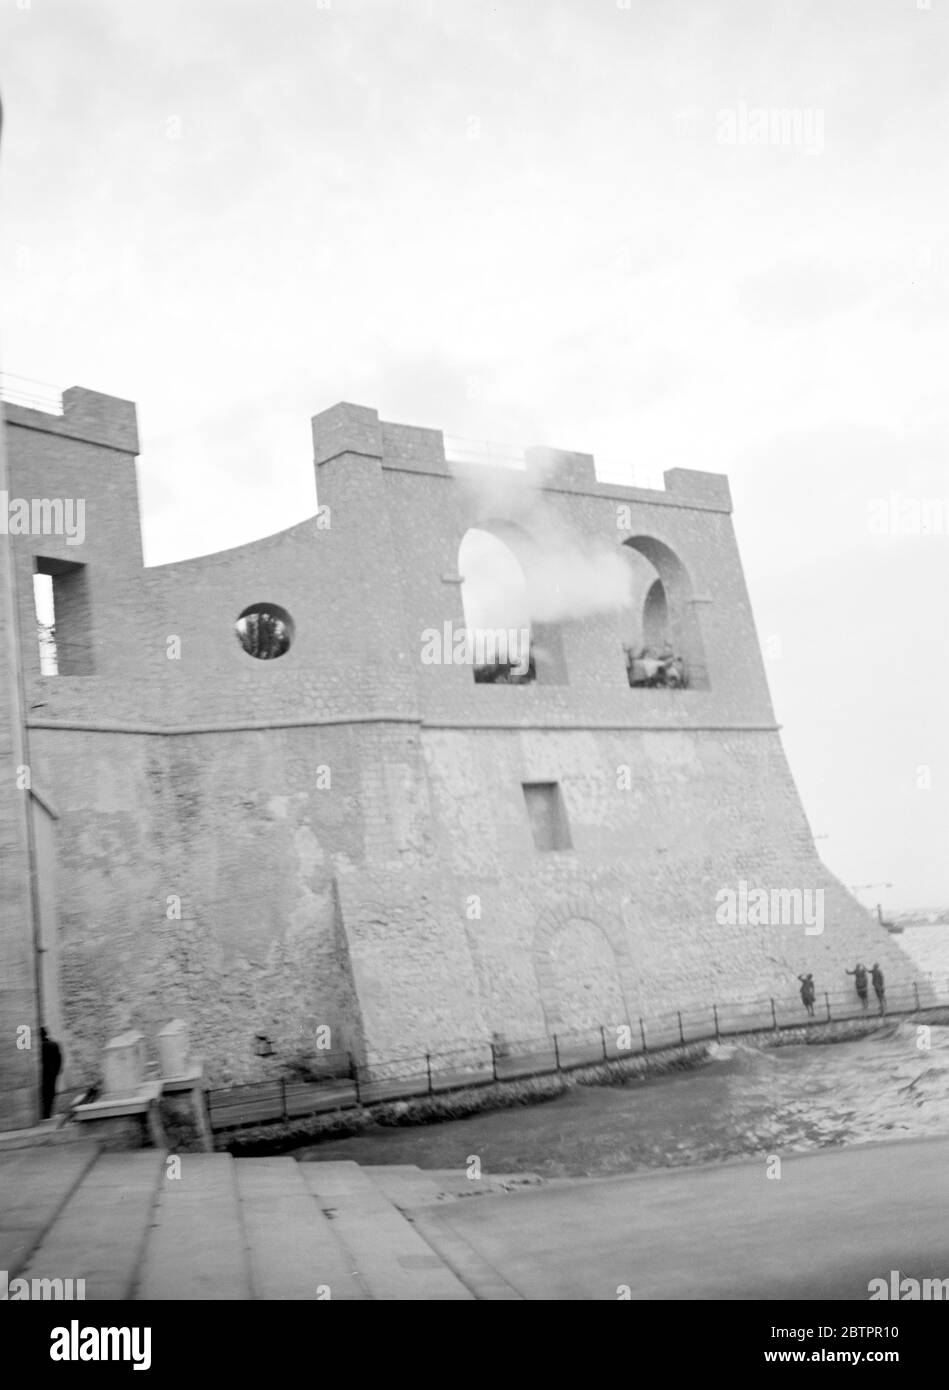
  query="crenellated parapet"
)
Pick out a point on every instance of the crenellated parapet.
point(86, 415)
point(355, 431)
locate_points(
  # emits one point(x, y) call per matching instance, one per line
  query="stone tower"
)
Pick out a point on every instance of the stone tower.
point(346, 835)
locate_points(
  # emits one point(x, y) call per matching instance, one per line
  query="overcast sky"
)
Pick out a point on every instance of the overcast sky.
point(534, 222)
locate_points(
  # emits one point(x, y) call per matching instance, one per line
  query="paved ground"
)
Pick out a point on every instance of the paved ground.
point(830, 1223)
point(134, 1225)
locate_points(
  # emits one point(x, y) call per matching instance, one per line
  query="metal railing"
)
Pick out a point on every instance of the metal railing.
point(344, 1083)
point(36, 395)
point(484, 451)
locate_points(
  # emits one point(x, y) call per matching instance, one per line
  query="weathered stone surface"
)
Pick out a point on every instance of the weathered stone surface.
point(19, 1021)
point(338, 838)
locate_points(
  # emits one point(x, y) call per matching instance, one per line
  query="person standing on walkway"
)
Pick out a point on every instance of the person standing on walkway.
point(52, 1061)
point(807, 993)
point(879, 986)
point(859, 973)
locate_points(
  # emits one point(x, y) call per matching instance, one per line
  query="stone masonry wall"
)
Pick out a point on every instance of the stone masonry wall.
point(703, 811)
point(240, 829)
point(340, 836)
point(19, 1065)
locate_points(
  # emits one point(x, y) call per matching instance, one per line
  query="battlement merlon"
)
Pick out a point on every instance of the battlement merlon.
point(87, 415)
point(357, 431)
point(692, 487)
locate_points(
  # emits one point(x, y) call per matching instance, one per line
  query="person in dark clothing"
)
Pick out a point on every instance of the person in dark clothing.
point(879, 986)
point(52, 1064)
point(859, 973)
point(807, 992)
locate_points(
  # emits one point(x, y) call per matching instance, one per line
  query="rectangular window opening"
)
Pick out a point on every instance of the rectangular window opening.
point(63, 618)
point(548, 815)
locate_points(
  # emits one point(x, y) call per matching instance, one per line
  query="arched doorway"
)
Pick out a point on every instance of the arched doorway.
point(588, 994)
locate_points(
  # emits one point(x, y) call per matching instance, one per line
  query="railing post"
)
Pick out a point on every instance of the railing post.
point(681, 1034)
point(603, 1040)
point(718, 1036)
point(827, 1004)
point(428, 1068)
point(916, 992)
point(774, 1017)
point(642, 1034)
point(557, 1051)
point(355, 1070)
point(494, 1063)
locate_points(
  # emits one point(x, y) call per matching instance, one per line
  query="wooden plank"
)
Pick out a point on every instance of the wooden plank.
point(242, 1105)
point(232, 1095)
point(372, 1091)
point(312, 1099)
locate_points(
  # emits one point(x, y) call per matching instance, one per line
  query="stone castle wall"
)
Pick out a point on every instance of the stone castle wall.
point(19, 1064)
point(345, 827)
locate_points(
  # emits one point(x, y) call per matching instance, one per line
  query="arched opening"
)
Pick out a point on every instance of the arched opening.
point(497, 613)
point(505, 645)
point(662, 642)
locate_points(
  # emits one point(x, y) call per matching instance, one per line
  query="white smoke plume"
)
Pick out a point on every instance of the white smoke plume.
point(526, 565)
point(570, 581)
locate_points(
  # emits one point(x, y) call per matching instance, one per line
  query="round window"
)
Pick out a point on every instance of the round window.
point(265, 630)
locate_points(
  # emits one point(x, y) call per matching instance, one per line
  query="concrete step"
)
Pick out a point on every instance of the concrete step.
point(295, 1251)
point(35, 1185)
point(405, 1185)
point(100, 1234)
point(415, 1192)
point(393, 1260)
point(196, 1248)
point(54, 1132)
point(472, 1268)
